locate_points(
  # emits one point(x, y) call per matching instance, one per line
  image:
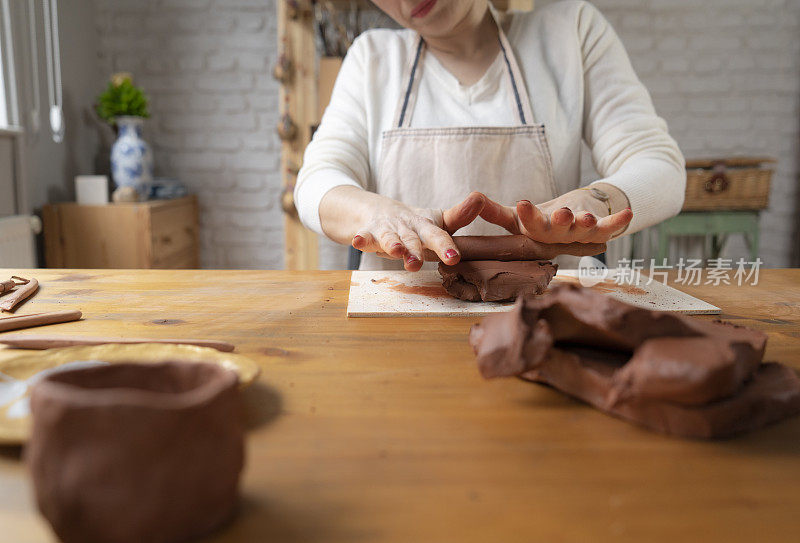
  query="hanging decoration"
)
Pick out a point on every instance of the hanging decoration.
point(53, 57)
point(34, 114)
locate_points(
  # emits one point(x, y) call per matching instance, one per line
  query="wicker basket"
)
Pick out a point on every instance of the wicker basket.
point(731, 183)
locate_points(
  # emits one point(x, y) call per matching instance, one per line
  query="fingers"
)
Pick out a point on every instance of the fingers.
point(410, 241)
point(440, 242)
point(605, 228)
point(564, 226)
point(500, 215)
point(412, 259)
point(584, 229)
point(534, 223)
point(397, 243)
point(612, 225)
point(365, 241)
point(464, 213)
point(390, 243)
point(415, 235)
point(586, 219)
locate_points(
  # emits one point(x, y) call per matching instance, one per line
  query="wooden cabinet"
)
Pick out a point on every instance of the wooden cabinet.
point(159, 234)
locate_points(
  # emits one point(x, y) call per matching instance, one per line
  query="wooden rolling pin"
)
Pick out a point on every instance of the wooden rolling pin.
point(516, 247)
point(38, 319)
point(27, 341)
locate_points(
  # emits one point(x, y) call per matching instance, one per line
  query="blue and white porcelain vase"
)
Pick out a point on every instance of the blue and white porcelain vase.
point(131, 157)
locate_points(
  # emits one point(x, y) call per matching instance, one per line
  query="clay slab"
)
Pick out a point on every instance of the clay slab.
point(407, 294)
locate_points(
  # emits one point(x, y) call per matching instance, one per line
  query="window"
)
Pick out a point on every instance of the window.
point(8, 97)
point(3, 106)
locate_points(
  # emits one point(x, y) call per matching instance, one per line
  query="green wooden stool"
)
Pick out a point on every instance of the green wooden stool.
point(715, 226)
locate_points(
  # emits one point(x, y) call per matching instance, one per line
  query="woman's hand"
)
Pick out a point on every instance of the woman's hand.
point(398, 231)
point(576, 216)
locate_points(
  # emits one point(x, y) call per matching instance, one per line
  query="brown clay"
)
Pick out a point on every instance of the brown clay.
point(136, 452)
point(494, 281)
point(515, 247)
point(7, 285)
point(10, 284)
point(518, 247)
point(672, 373)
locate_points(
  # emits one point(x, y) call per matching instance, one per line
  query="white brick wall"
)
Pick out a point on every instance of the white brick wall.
point(205, 66)
point(725, 74)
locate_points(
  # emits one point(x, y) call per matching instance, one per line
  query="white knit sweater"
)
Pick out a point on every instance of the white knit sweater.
point(581, 85)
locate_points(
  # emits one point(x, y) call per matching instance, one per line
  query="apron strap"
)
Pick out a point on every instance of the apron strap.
point(402, 116)
point(517, 81)
point(405, 107)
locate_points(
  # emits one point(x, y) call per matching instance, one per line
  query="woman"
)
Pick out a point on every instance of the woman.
point(456, 106)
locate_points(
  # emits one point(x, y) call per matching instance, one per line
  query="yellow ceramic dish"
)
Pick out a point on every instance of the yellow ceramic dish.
point(15, 431)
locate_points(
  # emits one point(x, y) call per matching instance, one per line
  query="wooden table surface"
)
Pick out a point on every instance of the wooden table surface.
point(382, 430)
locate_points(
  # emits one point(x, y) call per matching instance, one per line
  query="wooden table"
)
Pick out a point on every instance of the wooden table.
point(381, 429)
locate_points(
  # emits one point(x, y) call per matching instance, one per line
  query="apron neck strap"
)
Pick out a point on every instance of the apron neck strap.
point(405, 107)
point(521, 98)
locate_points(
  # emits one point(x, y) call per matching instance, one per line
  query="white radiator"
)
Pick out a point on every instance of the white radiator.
point(17, 244)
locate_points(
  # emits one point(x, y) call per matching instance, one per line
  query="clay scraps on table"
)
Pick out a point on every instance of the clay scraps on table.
point(15, 290)
point(668, 372)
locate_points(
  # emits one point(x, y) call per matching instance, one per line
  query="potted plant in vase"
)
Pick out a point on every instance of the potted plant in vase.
point(124, 106)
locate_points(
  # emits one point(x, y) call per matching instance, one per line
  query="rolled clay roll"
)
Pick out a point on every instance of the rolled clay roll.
point(516, 247)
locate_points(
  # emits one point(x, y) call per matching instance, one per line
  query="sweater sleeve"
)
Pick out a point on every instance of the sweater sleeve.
point(630, 145)
point(338, 154)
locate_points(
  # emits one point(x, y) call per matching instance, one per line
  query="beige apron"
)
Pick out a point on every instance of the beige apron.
point(437, 167)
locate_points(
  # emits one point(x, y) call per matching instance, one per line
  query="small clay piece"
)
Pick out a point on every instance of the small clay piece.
point(23, 291)
point(128, 453)
point(30, 341)
point(39, 319)
point(9, 284)
point(669, 372)
point(494, 281)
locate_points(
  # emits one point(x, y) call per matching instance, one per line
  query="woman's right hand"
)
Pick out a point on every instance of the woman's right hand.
point(397, 231)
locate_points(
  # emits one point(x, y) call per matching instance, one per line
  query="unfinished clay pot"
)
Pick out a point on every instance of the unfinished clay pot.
point(137, 452)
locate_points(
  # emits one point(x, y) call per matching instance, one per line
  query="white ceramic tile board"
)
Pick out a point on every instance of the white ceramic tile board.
point(416, 294)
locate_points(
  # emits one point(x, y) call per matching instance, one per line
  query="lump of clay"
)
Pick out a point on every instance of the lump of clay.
point(137, 452)
point(687, 370)
point(669, 372)
point(495, 281)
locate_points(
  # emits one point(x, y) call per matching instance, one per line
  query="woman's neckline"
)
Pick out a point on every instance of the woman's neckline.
point(488, 79)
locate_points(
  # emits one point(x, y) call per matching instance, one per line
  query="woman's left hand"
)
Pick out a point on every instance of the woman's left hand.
point(575, 216)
